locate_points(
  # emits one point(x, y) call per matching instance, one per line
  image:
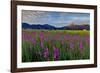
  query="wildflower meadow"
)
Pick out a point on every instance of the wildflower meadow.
point(55, 45)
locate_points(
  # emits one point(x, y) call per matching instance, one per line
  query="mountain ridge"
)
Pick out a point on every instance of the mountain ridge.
point(47, 26)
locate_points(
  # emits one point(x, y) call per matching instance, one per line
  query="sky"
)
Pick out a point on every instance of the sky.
point(57, 19)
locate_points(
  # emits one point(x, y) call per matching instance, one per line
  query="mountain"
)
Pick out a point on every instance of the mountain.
point(37, 26)
point(47, 26)
point(76, 27)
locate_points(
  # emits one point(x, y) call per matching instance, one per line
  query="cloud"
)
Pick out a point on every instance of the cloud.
point(30, 16)
point(57, 19)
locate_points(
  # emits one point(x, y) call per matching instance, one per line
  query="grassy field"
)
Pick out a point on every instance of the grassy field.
point(55, 45)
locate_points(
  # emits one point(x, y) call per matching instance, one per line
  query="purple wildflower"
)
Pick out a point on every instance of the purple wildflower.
point(81, 45)
point(41, 44)
point(67, 36)
point(75, 36)
point(34, 42)
point(45, 53)
point(71, 45)
point(41, 35)
point(88, 40)
point(25, 36)
point(55, 53)
point(34, 33)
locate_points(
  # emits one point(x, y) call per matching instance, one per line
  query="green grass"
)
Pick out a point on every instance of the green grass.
point(34, 53)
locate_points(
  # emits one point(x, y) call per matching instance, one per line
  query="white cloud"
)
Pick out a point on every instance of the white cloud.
point(42, 17)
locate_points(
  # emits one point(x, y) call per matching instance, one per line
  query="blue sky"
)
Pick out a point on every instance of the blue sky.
point(57, 19)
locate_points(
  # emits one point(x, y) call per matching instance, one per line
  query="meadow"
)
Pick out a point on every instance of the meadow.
point(55, 45)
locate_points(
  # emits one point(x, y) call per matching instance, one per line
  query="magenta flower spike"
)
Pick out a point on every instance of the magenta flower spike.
point(45, 53)
point(55, 53)
point(34, 33)
point(34, 42)
point(81, 45)
point(41, 35)
point(42, 45)
point(71, 45)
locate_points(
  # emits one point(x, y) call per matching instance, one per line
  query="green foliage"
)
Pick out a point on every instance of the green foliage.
point(35, 53)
